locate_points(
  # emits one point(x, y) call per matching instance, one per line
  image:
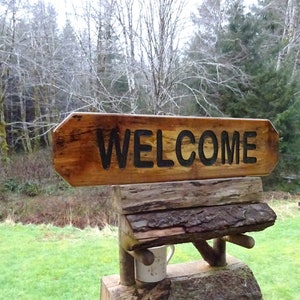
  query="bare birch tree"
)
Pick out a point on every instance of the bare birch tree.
point(8, 28)
point(4, 73)
point(44, 49)
point(129, 29)
point(99, 41)
point(290, 37)
point(159, 46)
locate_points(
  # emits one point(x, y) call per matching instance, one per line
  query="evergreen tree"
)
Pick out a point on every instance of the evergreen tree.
point(271, 93)
point(215, 70)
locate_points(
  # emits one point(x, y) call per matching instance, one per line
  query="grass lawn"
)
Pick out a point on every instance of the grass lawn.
point(47, 262)
point(275, 259)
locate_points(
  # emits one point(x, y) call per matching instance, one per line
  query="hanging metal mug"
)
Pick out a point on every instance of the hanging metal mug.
point(157, 271)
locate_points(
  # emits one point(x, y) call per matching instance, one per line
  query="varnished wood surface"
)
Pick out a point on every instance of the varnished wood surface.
point(76, 152)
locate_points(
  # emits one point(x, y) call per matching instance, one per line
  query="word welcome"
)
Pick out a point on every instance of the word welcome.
point(232, 148)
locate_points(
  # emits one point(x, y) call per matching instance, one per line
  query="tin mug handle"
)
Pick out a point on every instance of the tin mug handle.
point(171, 252)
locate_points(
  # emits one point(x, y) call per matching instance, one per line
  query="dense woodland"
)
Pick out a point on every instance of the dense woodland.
point(149, 57)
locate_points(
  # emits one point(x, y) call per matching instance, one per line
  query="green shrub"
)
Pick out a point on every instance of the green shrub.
point(30, 189)
point(12, 185)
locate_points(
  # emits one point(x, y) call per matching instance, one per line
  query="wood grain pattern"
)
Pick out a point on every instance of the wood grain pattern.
point(130, 199)
point(160, 148)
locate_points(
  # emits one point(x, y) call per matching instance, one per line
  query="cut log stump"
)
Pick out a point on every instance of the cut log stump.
point(192, 281)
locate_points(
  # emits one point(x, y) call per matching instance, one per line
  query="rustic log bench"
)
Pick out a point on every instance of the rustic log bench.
point(188, 211)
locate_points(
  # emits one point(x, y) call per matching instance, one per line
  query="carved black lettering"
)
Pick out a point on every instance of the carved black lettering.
point(247, 146)
point(160, 161)
point(114, 140)
point(182, 161)
point(232, 149)
point(208, 161)
point(138, 148)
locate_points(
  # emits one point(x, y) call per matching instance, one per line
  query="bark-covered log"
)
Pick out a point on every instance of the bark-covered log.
point(189, 225)
point(130, 199)
point(203, 219)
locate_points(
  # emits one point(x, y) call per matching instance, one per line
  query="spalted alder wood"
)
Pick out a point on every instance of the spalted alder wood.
point(94, 149)
point(189, 225)
point(135, 198)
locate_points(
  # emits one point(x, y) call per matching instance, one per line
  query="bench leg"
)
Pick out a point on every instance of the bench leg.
point(216, 255)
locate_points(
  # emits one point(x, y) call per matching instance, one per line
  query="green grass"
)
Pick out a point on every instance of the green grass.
point(47, 262)
point(275, 259)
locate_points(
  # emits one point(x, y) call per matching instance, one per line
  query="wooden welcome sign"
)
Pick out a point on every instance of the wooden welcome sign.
point(95, 149)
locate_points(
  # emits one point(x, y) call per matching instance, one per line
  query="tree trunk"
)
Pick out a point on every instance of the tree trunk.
point(290, 32)
point(3, 142)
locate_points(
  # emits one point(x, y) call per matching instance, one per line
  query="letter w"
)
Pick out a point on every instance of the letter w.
point(114, 139)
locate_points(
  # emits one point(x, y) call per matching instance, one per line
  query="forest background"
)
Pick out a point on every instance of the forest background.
point(146, 57)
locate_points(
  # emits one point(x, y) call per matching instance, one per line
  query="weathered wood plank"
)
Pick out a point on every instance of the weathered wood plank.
point(130, 199)
point(183, 225)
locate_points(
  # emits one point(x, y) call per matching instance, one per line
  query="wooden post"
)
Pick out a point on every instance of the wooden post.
point(127, 277)
point(219, 247)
